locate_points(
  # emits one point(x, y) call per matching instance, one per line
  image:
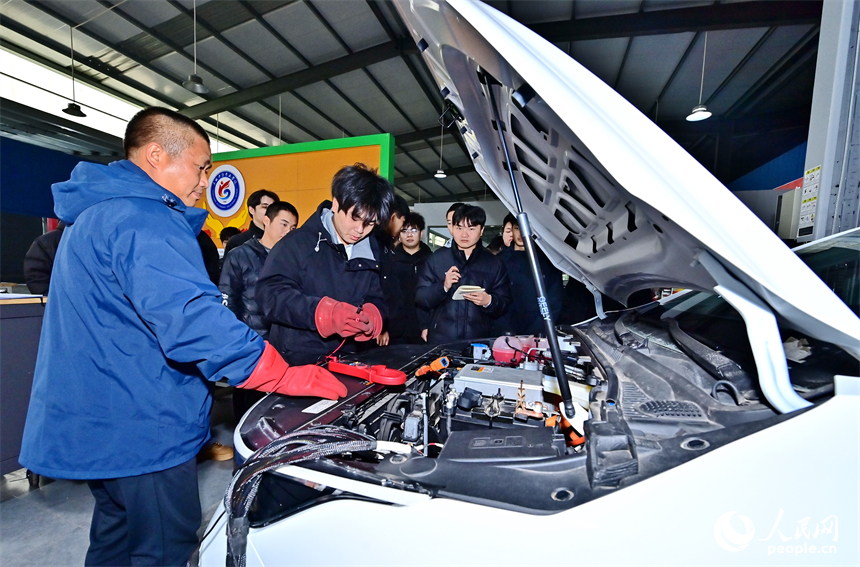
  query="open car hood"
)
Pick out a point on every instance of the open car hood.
point(611, 198)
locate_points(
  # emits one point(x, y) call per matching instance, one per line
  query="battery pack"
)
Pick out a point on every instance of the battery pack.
point(490, 379)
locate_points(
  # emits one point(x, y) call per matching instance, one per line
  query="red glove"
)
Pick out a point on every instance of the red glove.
point(336, 317)
point(374, 318)
point(273, 374)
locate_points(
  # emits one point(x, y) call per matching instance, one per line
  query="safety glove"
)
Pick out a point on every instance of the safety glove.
point(273, 374)
point(337, 317)
point(374, 327)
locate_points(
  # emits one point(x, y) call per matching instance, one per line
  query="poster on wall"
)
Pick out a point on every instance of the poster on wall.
point(808, 202)
point(298, 173)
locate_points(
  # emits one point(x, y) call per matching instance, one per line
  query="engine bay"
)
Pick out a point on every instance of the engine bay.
point(477, 421)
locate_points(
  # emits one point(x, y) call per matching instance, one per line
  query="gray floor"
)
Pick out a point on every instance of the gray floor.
point(49, 526)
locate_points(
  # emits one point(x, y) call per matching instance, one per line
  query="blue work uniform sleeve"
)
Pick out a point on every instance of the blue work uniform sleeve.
point(163, 277)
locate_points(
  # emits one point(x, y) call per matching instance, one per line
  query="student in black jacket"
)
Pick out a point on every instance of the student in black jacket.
point(465, 263)
point(524, 316)
point(320, 284)
point(238, 284)
point(407, 323)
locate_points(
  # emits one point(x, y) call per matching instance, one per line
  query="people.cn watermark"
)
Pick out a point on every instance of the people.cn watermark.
point(735, 532)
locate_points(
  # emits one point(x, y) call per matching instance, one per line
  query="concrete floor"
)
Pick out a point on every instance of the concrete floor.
point(49, 526)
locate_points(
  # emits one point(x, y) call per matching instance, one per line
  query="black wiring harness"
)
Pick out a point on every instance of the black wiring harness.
point(296, 447)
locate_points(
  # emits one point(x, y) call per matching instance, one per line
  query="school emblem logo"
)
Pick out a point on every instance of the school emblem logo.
point(226, 193)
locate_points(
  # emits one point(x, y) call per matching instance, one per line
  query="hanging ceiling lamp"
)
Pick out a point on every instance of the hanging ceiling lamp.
point(701, 112)
point(194, 83)
point(440, 173)
point(73, 109)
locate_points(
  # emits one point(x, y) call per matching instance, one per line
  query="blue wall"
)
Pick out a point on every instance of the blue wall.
point(26, 175)
point(779, 171)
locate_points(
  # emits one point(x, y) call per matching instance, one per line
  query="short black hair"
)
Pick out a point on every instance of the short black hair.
point(510, 218)
point(257, 196)
point(229, 232)
point(399, 207)
point(453, 208)
point(173, 131)
point(279, 207)
point(362, 187)
point(414, 220)
point(496, 244)
point(472, 214)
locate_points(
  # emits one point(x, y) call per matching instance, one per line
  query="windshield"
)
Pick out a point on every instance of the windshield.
point(713, 322)
point(837, 262)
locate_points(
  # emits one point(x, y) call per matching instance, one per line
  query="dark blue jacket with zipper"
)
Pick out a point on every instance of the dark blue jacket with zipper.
point(451, 319)
point(302, 268)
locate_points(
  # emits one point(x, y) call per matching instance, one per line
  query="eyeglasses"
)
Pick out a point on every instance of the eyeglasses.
point(409, 231)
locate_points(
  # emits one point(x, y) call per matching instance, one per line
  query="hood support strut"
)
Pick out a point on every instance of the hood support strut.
point(764, 337)
point(523, 222)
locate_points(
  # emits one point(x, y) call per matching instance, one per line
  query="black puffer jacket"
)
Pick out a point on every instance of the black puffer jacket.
point(238, 284)
point(238, 240)
point(39, 260)
point(303, 267)
point(406, 319)
point(524, 316)
point(451, 319)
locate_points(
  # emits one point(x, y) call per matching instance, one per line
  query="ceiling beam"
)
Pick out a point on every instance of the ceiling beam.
point(803, 53)
point(428, 134)
point(15, 114)
point(296, 80)
point(757, 14)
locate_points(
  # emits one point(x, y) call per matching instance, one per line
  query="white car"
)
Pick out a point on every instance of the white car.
point(720, 425)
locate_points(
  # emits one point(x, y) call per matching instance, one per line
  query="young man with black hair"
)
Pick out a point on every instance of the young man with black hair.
point(227, 233)
point(467, 262)
point(320, 284)
point(257, 204)
point(407, 322)
point(119, 393)
point(242, 267)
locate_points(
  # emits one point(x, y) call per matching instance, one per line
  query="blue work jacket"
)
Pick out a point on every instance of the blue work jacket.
point(132, 331)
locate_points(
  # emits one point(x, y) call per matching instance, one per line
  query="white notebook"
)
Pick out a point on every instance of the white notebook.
point(464, 289)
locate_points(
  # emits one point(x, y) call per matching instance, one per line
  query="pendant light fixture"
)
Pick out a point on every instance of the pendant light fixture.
point(194, 83)
point(73, 109)
point(701, 112)
point(440, 173)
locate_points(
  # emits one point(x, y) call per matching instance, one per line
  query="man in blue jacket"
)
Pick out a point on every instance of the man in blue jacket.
point(133, 330)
